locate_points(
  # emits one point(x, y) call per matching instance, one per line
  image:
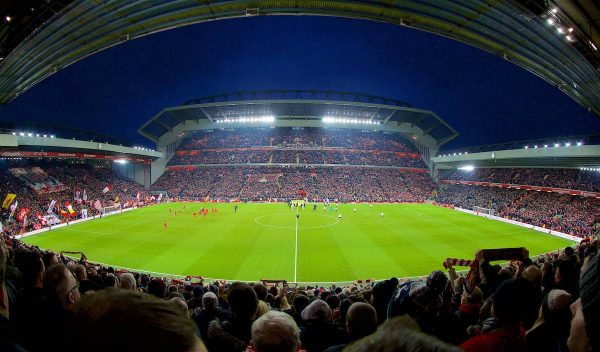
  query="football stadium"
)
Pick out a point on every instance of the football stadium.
point(141, 216)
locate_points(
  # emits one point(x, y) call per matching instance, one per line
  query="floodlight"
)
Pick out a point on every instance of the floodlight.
point(120, 161)
point(526, 147)
point(571, 30)
point(8, 18)
point(579, 144)
point(550, 21)
point(45, 136)
point(556, 145)
point(52, 136)
point(559, 30)
point(14, 134)
point(569, 38)
point(555, 10)
point(37, 134)
point(535, 146)
point(29, 134)
point(467, 168)
point(545, 145)
point(567, 144)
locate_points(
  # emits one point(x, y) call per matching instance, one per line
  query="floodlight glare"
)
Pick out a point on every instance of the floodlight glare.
point(550, 21)
point(579, 144)
point(120, 161)
point(559, 30)
point(545, 145)
point(555, 10)
point(526, 147)
point(570, 30)
point(556, 145)
point(567, 144)
point(467, 168)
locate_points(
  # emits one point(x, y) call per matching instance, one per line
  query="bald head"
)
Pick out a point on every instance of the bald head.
point(361, 320)
point(533, 274)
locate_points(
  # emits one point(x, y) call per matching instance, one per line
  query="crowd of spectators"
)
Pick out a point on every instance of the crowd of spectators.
point(545, 303)
point(297, 146)
point(575, 215)
point(75, 178)
point(264, 183)
point(558, 178)
point(297, 137)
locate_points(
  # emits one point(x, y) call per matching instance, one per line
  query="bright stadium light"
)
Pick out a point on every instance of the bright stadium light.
point(21, 134)
point(545, 145)
point(560, 30)
point(550, 21)
point(29, 134)
point(120, 161)
point(535, 146)
point(567, 144)
point(14, 133)
point(526, 147)
point(556, 145)
point(467, 168)
point(579, 144)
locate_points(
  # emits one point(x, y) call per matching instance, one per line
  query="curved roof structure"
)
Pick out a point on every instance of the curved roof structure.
point(300, 108)
point(503, 28)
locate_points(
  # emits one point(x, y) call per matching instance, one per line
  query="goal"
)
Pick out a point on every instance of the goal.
point(111, 209)
point(488, 213)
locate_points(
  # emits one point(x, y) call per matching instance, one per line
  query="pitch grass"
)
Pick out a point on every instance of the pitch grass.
point(258, 242)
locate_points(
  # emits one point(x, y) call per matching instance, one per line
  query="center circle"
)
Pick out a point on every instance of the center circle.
point(307, 220)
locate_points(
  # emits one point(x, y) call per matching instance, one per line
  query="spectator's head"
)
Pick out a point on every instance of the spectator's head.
point(333, 301)
point(361, 320)
point(300, 302)
point(261, 291)
point(80, 272)
point(382, 292)
point(61, 286)
point(242, 300)
point(198, 291)
point(316, 311)
point(156, 287)
point(585, 321)
point(31, 267)
point(555, 307)
point(172, 288)
point(275, 332)
point(121, 316)
point(128, 281)
point(111, 281)
point(210, 301)
point(49, 259)
point(566, 272)
point(507, 302)
point(400, 334)
point(534, 275)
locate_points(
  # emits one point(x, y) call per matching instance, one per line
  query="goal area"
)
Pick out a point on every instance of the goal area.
point(488, 213)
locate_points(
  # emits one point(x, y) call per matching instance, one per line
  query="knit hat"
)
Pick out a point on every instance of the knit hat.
point(589, 288)
point(556, 306)
point(317, 310)
point(209, 301)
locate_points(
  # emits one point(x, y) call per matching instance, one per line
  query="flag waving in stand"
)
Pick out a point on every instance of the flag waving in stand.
point(107, 189)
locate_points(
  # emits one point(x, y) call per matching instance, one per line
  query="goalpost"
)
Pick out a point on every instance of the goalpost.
point(488, 213)
point(111, 209)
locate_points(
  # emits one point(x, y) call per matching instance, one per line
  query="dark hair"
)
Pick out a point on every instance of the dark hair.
point(333, 301)
point(30, 265)
point(261, 291)
point(242, 300)
point(300, 302)
point(122, 316)
point(156, 287)
point(46, 257)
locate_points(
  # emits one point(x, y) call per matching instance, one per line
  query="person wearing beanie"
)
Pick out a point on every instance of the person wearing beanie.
point(585, 322)
point(551, 329)
point(502, 332)
point(208, 312)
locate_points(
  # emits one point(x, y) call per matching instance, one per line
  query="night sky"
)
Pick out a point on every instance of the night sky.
point(485, 98)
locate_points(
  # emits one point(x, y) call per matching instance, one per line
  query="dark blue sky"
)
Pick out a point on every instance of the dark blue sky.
point(488, 100)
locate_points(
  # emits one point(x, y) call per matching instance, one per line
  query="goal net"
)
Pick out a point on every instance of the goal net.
point(484, 211)
point(111, 209)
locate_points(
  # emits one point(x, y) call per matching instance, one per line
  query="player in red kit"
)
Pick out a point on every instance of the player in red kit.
point(165, 225)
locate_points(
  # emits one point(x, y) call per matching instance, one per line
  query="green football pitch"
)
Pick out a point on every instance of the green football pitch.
point(267, 241)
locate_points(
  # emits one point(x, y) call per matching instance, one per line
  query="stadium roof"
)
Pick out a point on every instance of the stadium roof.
point(532, 35)
point(549, 155)
point(297, 106)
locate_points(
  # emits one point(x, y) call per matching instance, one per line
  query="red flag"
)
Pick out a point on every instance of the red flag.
point(107, 189)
